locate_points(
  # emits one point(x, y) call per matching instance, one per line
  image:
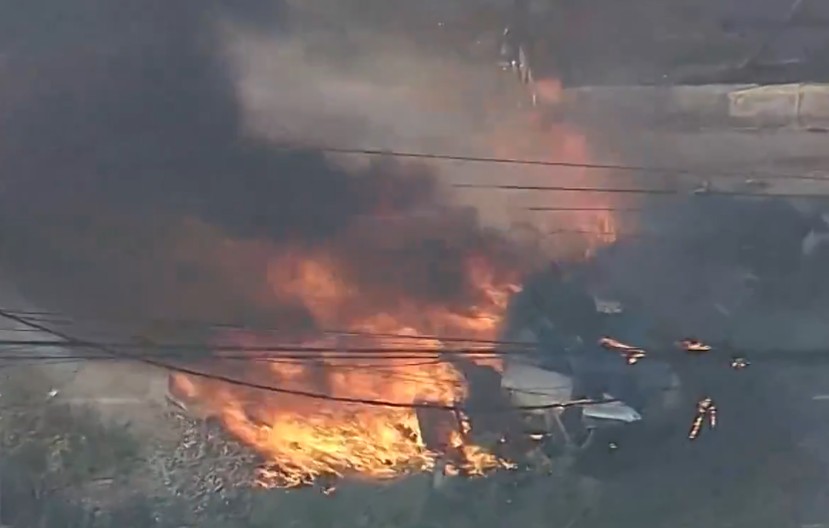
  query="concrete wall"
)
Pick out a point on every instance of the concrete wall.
point(804, 106)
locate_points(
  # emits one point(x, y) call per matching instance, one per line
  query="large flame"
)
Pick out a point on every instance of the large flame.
point(387, 357)
point(585, 221)
point(386, 350)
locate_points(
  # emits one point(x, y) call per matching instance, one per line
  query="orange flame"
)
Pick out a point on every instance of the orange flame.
point(301, 438)
point(590, 222)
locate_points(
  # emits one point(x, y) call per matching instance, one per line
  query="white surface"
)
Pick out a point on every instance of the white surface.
point(616, 411)
point(530, 386)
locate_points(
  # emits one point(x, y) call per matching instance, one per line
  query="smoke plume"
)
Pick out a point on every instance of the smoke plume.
point(137, 179)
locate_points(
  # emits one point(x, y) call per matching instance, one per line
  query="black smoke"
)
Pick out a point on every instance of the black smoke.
point(131, 107)
point(126, 177)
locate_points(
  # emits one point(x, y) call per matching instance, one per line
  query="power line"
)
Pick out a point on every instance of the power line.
point(575, 165)
point(361, 360)
point(382, 369)
point(290, 392)
point(378, 359)
point(296, 349)
point(58, 318)
point(381, 363)
point(312, 352)
point(597, 233)
point(303, 352)
point(585, 209)
point(630, 190)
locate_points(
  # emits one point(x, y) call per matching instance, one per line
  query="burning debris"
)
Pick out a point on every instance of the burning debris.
point(631, 354)
point(335, 434)
point(303, 440)
point(706, 411)
point(739, 363)
point(693, 346)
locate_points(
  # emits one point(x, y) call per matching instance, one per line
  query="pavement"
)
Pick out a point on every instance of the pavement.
point(122, 391)
point(802, 106)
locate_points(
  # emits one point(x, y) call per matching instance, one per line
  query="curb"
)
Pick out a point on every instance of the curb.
point(802, 106)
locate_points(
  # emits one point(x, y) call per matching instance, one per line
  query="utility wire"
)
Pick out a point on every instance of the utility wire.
point(576, 165)
point(558, 232)
point(59, 318)
point(584, 209)
point(302, 352)
point(308, 357)
point(375, 364)
point(295, 349)
point(718, 351)
point(375, 359)
point(291, 392)
point(630, 190)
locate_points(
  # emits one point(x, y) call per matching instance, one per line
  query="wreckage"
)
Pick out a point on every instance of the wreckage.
point(518, 411)
point(576, 383)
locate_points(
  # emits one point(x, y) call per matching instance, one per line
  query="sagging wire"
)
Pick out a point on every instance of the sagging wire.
point(52, 317)
point(706, 409)
point(278, 390)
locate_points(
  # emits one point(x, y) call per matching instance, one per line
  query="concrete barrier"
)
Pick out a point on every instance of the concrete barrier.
point(803, 106)
point(765, 106)
point(814, 106)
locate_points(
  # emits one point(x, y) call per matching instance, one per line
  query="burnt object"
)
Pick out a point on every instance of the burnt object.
point(438, 427)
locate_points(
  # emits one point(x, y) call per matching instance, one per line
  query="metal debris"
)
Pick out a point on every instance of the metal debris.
point(631, 354)
point(693, 346)
point(706, 409)
point(328, 489)
point(739, 363)
point(608, 307)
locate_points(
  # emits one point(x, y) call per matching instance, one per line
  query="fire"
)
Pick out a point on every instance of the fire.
point(586, 222)
point(387, 356)
point(355, 406)
point(595, 226)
